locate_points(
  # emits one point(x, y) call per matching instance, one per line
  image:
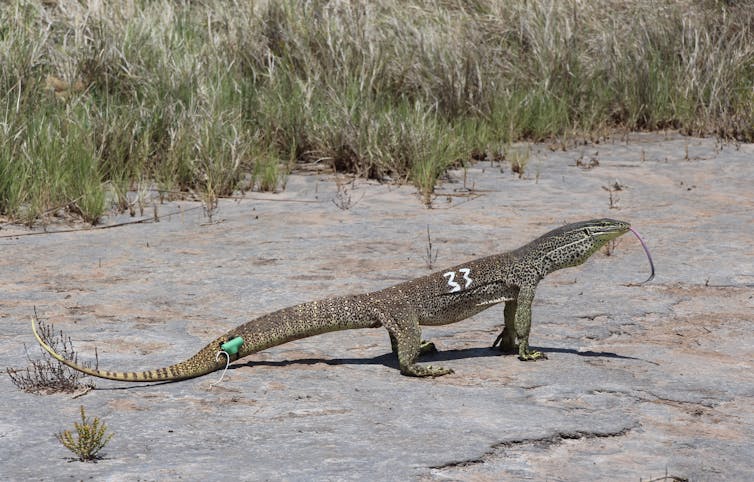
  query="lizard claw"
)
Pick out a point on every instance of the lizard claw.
point(532, 355)
point(425, 371)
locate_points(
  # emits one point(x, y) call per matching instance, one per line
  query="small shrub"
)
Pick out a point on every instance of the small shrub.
point(343, 199)
point(91, 437)
point(49, 375)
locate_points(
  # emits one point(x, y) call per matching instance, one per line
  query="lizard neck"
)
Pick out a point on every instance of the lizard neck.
point(555, 251)
point(571, 245)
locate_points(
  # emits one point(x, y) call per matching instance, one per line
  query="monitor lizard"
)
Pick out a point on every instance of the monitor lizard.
point(440, 298)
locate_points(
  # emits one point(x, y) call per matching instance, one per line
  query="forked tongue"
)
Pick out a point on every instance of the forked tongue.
point(649, 256)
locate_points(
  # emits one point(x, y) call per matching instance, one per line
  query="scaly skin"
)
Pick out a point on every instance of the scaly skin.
point(437, 299)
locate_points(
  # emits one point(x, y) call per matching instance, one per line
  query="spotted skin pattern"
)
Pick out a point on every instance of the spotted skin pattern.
point(440, 298)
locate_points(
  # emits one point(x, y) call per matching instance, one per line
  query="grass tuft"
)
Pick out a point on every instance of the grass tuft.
point(195, 96)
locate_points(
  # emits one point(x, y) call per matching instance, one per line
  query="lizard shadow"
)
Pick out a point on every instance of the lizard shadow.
point(389, 359)
point(595, 354)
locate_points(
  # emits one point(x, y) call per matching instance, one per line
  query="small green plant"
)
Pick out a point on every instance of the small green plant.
point(519, 159)
point(91, 437)
point(267, 174)
point(210, 203)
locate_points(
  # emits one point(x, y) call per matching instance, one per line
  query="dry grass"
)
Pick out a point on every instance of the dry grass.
point(198, 95)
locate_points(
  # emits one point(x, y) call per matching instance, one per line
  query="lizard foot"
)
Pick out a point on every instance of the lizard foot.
point(532, 355)
point(425, 371)
point(504, 344)
point(427, 347)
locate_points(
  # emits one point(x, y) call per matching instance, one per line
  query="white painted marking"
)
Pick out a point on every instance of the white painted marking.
point(451, 275)
point(466, 272)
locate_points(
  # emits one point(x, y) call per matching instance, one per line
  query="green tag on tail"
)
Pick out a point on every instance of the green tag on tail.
point(232, 346)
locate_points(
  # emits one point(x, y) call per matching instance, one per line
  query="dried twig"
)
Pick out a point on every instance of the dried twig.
point(48, 375)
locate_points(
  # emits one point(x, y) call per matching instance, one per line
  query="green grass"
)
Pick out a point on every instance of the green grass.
point(199, 96)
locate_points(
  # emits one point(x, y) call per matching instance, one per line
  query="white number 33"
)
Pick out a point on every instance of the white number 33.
point(454, 286)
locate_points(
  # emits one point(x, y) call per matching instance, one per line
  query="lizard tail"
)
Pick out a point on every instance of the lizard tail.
point(200, 364)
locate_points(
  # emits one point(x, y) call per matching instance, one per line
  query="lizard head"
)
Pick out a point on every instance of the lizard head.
point(572, 244)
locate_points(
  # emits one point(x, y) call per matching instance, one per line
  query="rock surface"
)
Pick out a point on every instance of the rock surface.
point(641, 381)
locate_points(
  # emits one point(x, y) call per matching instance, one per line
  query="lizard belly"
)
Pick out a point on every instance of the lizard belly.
point(453, 314)
point(446, 309)
point(495, 301)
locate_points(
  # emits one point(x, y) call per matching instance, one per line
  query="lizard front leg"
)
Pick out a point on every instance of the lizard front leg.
point(522, 324)
point(405, 339)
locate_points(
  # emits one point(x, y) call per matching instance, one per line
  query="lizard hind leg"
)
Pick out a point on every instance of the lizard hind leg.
point(506, 341)
point(426, 347)
point(405, 339)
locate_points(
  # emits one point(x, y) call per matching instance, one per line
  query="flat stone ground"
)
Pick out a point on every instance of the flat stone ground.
point(641, 382)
